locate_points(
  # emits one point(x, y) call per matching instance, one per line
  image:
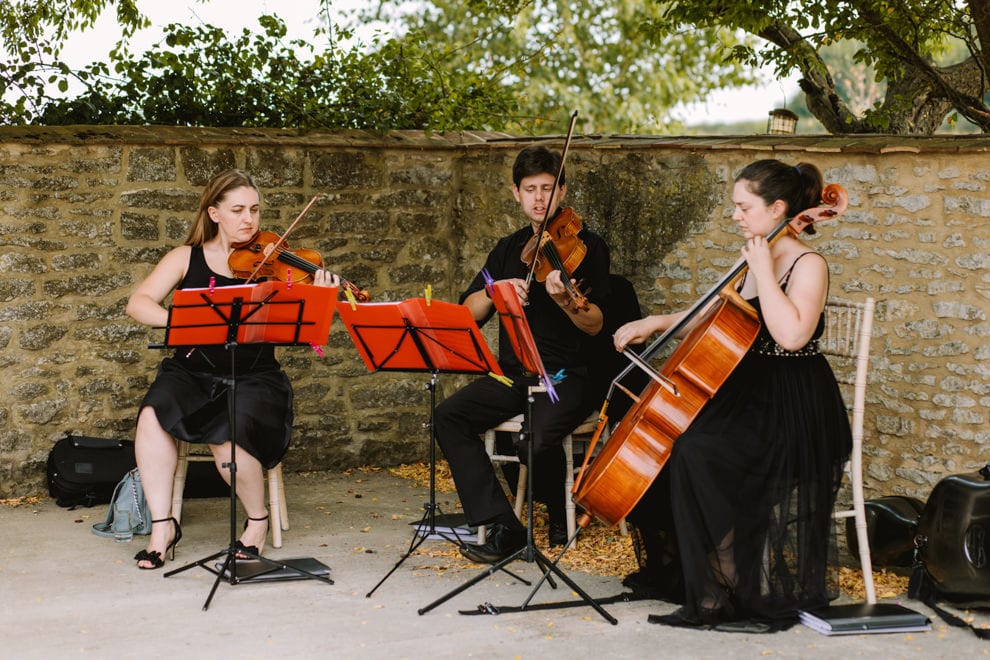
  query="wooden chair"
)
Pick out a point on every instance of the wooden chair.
point(848, 329)
point(514, 425)
point(278, 510)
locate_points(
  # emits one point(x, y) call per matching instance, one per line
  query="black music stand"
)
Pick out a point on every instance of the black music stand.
point(419, 335)
point(274, 313)
point(523, 345)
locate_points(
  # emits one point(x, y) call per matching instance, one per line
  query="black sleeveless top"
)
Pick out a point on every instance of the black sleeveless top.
point(216, 359)
point(190, 393)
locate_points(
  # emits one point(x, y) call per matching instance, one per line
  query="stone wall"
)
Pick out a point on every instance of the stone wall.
point(85, 212)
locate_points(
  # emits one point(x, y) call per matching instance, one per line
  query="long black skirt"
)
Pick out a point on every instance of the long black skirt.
point(750, 488)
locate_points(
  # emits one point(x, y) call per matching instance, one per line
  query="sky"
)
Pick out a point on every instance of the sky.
point(300, 15)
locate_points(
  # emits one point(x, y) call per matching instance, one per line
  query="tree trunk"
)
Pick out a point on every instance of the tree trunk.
point(915, 104)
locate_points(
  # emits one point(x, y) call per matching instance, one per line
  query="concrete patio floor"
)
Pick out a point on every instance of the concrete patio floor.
point(67, 593)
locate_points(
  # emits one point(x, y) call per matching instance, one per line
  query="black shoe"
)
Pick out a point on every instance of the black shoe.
point(680, 618)
point(502, 542)
point(155, 558)
point(557, 533)
point(645, 583)
point(251, 551)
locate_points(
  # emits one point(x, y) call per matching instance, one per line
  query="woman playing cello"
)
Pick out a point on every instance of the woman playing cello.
point(747, 493)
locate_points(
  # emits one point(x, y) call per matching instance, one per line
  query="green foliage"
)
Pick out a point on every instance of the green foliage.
point(603, 59)
point(33, 33)
point(898, 66)
point(199, 76)
point(930, 56)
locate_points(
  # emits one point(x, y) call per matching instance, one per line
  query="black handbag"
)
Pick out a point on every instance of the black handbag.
point(84, 471)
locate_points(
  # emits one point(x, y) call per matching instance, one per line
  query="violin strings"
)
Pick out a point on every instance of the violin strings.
point(288, 257)
point(550, 250)
point(293, 259)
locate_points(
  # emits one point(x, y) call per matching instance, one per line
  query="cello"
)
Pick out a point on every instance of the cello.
point(639, 446)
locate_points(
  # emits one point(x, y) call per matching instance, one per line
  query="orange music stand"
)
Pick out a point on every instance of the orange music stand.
point(266, 313)
point(509, 308)
point(510, 311)
point(269, 313)
point(419, 335)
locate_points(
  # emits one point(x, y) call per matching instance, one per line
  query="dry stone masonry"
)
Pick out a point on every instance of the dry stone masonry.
point(85, 213)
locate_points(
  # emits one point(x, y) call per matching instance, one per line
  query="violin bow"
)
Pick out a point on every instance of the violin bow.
point(553, 193)
point(281, 239)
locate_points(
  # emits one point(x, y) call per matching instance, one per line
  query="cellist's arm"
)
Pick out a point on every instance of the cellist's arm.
point(637, 332)
point(792, 316)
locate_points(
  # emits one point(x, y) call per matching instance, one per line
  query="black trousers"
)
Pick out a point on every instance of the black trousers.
point(484, 403)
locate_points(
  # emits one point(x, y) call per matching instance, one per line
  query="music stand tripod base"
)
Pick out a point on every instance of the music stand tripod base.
point(426, 528)
point(222, 317)
point(529, 552)
point(419, 335)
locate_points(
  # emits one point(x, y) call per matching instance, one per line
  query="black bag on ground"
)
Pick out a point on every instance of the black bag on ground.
point(954, 538)
point(953, 547)
point(891, 527)
point(84, 471)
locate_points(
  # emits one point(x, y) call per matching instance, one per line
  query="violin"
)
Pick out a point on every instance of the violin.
point(558, 248)
point(556, 245)
point(264, 256)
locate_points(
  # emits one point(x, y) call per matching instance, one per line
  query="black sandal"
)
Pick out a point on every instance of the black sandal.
point(155, 557)
point(249, 549)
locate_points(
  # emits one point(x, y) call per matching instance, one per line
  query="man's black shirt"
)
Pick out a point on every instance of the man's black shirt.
point(557, 339)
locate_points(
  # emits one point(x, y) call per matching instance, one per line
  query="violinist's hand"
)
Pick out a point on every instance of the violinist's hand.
point(325, 278)
point(635, 332)
point(556, 289)
point(522, 291)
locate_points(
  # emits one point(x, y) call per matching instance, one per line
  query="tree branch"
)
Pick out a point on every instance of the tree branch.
point(962, 84)
point(820, 96)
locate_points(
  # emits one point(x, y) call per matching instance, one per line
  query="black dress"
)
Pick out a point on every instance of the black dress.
point(189, 394)
point(745, 500)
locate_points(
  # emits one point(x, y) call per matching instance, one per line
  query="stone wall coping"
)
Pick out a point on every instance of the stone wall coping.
point(420, 140)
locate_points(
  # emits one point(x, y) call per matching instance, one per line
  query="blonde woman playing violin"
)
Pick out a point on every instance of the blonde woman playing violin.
point(188, 399)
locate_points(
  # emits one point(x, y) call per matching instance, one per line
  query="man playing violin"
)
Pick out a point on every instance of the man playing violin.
point(559, 321)
point(188, 399)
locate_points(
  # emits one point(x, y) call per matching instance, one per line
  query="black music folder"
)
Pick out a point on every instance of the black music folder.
point(258, 570)
point(862, 618)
